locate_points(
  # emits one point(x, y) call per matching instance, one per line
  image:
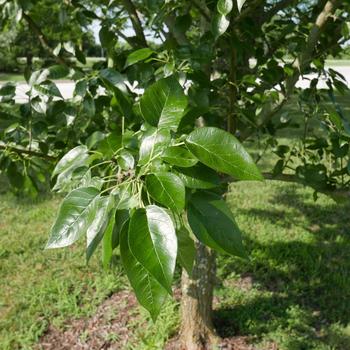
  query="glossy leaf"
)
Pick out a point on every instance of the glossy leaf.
point(149, 293)
point(213, 224)
point(199, 177)
point(224, 6)
point(72, 159)
point(222, 152)
point(48, 88)
point(167, 189)
point(163, 104)
point(107, 248)
point(100, 216)
point(186, 249)
point(126, 160)
point(73, 217)
point(153, 143)
point(152, 240)
point(138, 55)
point(179, 156)
point(240, 4)
point(220, 25)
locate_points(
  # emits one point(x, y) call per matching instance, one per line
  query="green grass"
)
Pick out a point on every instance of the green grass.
point(40, 287)
point(299, 275)
point(15, 77)
point(299, 271)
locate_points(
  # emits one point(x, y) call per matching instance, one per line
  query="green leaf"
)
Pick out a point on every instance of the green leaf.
point(167, 189)
point(109, 145)
point(224, 6)
point(126, 160)
point(179, 156)
point(89, 106)
point(121, 217)
point(58, 71)
point(137, 56)
point(199, 177)
point(107, 37)
point(72, 220)
point(48, 88)
point(213, 224)
point(125, 199)
point(152, 240)
point(219, 25)
point(7, 89)
point(186, 249)
point(222, 152)
point(107, 249)
point(163, 103)
point(153, 142)
point(149, 293)
point(240, 4)
point(73, 159)
point(100, 216)
point(113, 78)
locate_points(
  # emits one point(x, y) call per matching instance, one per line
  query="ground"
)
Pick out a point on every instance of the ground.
point(293, 294)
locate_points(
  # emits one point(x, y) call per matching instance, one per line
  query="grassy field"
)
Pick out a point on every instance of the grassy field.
point(294, 292)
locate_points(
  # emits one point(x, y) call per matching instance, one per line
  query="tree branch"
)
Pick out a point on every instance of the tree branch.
point(26, 151)
point(299, 66)
point(135, 20)
point(306, 56)
point(335, 193)
point(204, 11)
point(43, 40)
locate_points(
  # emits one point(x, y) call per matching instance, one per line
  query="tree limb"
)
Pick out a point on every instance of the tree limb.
point(299, 65)
point(335, 193)
point(26, 151)
point(43, 40)
point(135, 20)
point(203, 10)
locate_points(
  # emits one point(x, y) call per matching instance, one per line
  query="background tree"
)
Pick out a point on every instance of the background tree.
point(151, 157)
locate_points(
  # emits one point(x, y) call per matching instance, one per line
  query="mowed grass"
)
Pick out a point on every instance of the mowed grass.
point(41, 288)
point(295, 290)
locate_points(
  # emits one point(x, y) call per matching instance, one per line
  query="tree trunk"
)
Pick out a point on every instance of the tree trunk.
point(197, 330)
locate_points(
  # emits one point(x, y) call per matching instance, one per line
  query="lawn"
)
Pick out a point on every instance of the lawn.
point(294, 291)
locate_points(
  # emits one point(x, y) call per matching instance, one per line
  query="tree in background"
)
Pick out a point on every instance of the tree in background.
point(154, 134)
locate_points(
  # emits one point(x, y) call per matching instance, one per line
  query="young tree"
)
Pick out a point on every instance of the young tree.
point(158, 132)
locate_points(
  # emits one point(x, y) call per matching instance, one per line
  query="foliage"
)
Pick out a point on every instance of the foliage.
point(294, 289)
point(193, 94)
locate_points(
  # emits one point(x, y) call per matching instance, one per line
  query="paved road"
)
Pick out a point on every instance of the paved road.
point(67, 87)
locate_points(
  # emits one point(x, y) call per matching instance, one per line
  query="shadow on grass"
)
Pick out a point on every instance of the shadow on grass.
point(300, 282)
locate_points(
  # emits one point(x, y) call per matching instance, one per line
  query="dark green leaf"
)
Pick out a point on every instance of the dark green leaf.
point(152, 240)
point(222, 152)
point(121, 217)
point(150, 294)
point(137, 56)
point(163, 103)
point(179, 156)
point(58, 71)
point(186, 249)
point(213, 224)
point(199, 177)
point(167, 189)
point(72, 220)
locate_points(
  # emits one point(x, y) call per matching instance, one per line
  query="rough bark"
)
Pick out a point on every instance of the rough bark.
point(197, 330)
